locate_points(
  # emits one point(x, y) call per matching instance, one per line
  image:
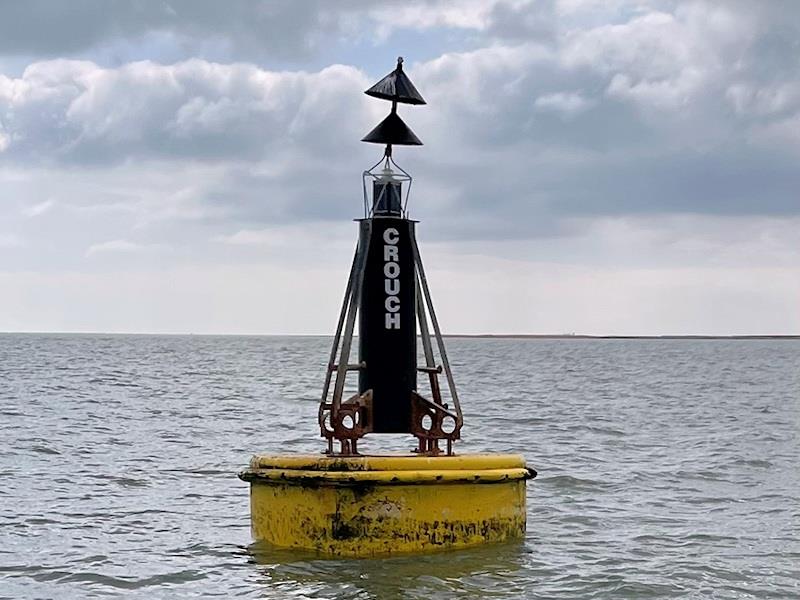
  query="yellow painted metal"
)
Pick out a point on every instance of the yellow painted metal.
point(366, 505)
point(402, 462)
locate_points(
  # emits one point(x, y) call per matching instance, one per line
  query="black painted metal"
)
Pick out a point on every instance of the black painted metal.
point(387, 323)
point(396, 86)
point(392, 130)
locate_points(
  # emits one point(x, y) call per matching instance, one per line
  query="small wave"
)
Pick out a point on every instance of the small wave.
point(45, 450)
point(89, 577)
point(93, 559)
point(597, 429)
point(39, 521)
point(752, 462)
point(574, 483)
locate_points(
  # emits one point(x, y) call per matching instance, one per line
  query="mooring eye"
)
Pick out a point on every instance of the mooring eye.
point(426, 422)
point(448, 424)
point(348, 422)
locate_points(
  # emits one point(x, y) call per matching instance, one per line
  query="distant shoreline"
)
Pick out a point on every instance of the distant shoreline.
point(576, 336)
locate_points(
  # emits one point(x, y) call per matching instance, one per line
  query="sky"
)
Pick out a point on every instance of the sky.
point(607, 167)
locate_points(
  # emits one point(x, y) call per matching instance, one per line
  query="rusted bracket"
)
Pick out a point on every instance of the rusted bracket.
point(431, 422)
point(353, 420)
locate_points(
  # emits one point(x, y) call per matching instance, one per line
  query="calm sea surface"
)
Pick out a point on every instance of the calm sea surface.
point(667, 469)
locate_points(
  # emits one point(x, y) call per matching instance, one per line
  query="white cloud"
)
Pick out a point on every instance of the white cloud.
point(39, 208)
point(250, 237)
point(669, 94)
point(662, 60)
point(79, 111)
point(313, 238)
point(467, 14)
point(567, 103)
point(121, 246)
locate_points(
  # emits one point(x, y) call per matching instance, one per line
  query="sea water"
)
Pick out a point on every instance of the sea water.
point(667, 468)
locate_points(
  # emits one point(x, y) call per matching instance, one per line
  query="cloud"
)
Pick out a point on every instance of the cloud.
point(628, 138)
point(40, 28)
point(657, 113)
point(286, 236)
point(251, 237)
point(10, 240)
point(260, 29)
point(121, 246)
point(566, 103)
point(467, 14)
point(76, 111)
point(39, 209)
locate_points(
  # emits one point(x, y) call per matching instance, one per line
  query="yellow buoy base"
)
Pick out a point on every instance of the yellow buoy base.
point(370, 505)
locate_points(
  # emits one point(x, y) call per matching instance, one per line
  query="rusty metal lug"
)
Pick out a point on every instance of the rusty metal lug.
point(429, 432)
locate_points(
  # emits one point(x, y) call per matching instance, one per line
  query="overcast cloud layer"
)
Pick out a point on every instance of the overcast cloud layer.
point(626, 167)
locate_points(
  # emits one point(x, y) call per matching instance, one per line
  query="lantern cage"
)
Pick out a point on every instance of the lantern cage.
point(386, 178)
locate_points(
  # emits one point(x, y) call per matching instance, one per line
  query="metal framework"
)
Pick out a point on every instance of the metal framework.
point(349, 420)
point(387, 162)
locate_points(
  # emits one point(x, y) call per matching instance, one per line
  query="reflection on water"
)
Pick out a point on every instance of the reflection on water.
point(481, 572)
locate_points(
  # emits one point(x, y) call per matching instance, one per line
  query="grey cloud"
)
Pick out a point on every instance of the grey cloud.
point(523, 21)
point(253, 30)
point(43, 28)
point(671, 113)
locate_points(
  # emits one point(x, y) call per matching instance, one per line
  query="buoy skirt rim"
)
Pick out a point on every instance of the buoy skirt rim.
point(348, 478)
point(387, 463)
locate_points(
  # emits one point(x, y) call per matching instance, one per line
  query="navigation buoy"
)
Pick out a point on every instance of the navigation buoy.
point(344, 503)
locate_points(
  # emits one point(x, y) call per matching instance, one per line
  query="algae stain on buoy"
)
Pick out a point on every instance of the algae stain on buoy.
point(347, 504)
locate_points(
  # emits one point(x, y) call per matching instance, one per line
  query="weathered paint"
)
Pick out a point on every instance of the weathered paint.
point(414, 462)
point(365, 506)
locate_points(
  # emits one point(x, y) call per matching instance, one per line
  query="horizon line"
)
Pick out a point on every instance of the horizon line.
point(566, 336)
